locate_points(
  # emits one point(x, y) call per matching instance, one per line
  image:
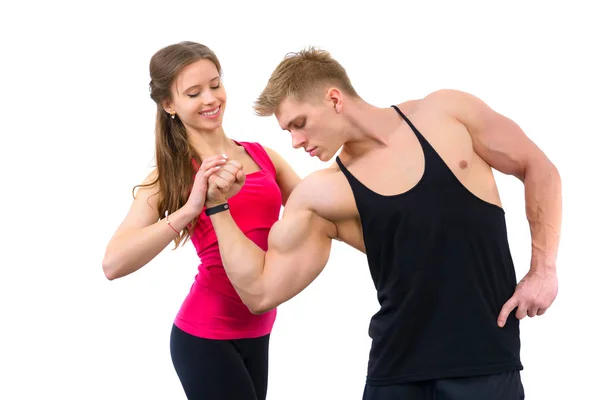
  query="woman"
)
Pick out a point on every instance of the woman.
point(219, 349)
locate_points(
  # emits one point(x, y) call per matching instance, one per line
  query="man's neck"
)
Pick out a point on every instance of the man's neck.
point(370, 127)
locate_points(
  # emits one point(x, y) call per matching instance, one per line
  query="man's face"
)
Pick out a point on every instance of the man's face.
point(314, 125)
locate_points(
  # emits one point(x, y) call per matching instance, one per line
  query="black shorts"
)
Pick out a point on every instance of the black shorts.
point(505, 386)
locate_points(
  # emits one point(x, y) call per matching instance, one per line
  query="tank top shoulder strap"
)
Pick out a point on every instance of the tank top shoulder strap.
point(418, 134)
point(344, 170)
point(436, 169)
point(357, 186)
point(195, 165)
point(355, 183)
point(259, 155)
point(432, 158)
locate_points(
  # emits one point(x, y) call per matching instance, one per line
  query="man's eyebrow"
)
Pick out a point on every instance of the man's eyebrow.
point(292, 121)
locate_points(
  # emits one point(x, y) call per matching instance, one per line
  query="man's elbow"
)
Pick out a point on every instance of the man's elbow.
point(110, 272)
point(111, 267)
point(541, 168)
point(260, 310)
point(260, 306)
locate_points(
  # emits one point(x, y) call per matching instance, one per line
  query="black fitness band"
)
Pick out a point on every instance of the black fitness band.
point(217, 209)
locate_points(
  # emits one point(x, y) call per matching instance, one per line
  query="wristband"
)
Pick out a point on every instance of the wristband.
point(217, 209)
point(171, 226)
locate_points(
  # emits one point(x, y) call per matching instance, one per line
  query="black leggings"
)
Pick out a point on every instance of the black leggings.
point(221, 369)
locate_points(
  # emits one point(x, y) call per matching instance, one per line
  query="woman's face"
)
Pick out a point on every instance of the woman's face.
point(198, 97)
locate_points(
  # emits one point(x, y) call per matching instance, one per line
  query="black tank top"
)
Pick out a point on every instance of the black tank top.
point(440, 261)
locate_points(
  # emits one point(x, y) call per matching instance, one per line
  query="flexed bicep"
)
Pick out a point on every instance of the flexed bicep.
point(299, 248)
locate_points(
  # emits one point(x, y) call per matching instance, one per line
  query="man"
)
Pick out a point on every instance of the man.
point(413, 188)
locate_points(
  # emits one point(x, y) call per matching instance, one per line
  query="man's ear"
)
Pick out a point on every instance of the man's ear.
point(334, 96)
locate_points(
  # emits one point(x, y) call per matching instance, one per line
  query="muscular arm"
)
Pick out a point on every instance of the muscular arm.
point(299, 247)
point(505, 147)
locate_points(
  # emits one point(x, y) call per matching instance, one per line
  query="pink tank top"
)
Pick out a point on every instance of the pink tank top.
point(212, 308)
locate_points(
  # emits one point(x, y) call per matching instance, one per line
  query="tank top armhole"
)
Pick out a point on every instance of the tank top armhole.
point(260, 156)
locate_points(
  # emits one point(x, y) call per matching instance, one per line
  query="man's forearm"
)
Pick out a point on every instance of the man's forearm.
point(243, 260)
point(543, 203)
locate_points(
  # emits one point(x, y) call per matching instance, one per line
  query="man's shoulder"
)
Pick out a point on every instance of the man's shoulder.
point(450, 99)
point(436, 96)
point(322, 191)
point(429, 103)
point(449, 102)
point(321, 180)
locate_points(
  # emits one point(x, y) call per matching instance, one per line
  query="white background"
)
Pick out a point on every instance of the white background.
point(77, 134)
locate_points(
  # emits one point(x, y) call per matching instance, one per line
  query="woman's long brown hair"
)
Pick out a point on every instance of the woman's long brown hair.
point(173, 153)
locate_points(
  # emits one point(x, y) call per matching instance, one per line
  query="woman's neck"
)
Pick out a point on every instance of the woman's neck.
point(212, 143)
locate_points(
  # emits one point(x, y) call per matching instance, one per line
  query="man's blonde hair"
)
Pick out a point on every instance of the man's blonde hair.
point(301, 76)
